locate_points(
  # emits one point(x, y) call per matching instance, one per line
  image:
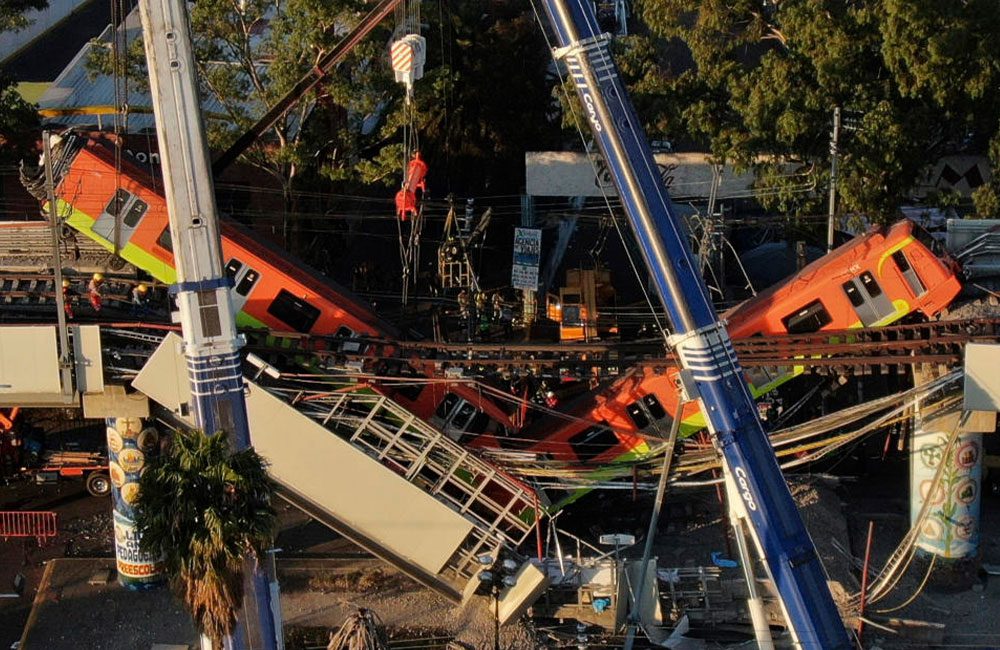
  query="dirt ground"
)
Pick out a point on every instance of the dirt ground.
point(324, 578)
point(967, 605)
point(330, 580)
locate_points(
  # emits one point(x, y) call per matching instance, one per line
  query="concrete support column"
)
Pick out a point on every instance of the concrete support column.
point(131, 445)
point(951, 529)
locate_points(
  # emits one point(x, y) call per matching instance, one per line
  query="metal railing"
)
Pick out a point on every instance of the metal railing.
point(501, 509)
point(38, 524)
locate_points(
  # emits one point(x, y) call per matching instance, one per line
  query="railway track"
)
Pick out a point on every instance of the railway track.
point(864, 351)
point(26, 246)
point(892, 348)
point(31, 296)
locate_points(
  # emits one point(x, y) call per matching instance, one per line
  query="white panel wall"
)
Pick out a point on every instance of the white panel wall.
point(29, 361)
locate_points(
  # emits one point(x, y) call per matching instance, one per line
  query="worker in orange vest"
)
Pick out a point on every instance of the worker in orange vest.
point(67, 297)
point(94, 291)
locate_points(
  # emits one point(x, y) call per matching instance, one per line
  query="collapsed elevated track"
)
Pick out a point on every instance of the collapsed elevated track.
point(30, 297)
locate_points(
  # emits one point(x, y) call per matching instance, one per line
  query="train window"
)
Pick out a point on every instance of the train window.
point(909, 274)
point(463, 416)
point(811, 318)
point(135, 213)
point(637, 415)
point(643, 409)
point(853, 294)
point(870, 285)
point(446, 405)
point(571, 315)
point(233, 267)
point(164, 241)
point(593, 441)
point(246, 284)
point(294, 311)
point(117, 202)
point(653, 406)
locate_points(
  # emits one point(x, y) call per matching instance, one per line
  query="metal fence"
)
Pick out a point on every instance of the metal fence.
point(40, 525)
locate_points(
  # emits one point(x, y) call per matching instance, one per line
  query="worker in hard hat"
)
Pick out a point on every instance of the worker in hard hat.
point(94, 291)
point(67, 293)
point(140, 300)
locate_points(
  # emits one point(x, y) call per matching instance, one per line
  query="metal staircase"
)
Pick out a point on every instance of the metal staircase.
point(372, 471)
point(501, 508)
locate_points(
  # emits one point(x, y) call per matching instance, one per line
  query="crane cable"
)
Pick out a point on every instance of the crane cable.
point(578, 120)
point(408, 22)
point(119, 71)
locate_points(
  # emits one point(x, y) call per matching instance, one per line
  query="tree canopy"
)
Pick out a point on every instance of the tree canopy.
point(757, 82)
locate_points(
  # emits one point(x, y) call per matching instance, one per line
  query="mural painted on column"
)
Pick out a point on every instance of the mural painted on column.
point(130, 446)
point(951, 529)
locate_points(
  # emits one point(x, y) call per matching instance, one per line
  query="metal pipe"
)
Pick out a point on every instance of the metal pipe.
point(834, 152)
point(208, 324)
point(654, 520)
point(304, 85)
point(761, 629)
point(710, 372)
point(864, 583)
point(65, 360)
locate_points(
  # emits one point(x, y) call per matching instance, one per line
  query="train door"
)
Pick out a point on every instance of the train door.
point(244, 279)
point(869, 301)
point(647, 410)
point(909, 274)
point(123, 213)
point(459, 418)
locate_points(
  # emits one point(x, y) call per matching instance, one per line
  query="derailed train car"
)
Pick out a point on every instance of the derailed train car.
point(873, 280)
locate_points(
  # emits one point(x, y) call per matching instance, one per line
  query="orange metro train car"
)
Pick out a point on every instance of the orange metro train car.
point(873, 280)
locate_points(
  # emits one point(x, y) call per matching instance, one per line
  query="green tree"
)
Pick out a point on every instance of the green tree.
point(204, 509)
point(18, 119)
point(917, 78)
point(249, 54)
point(483, 101)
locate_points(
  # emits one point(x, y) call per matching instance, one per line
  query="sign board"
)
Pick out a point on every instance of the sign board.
point(527, 255)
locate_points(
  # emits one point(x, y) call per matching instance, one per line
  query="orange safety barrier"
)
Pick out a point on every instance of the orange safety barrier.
point(37, 524)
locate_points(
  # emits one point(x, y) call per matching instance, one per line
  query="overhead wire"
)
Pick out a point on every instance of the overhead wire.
point(587, 149)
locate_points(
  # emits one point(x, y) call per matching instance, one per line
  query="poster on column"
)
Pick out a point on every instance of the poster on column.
point(527, 255)
point(949, 479)
point(137, 569)
point(130, 446)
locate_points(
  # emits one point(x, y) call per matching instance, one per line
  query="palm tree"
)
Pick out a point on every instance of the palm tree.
point(204, 509)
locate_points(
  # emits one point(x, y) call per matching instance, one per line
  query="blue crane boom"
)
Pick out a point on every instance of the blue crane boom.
point(711, 371)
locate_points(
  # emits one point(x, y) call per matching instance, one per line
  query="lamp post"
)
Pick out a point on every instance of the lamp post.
point(496, 574)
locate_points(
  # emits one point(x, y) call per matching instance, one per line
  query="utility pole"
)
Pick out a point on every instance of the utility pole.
point(208, 324)
point(65, 363)
point(834, 151)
